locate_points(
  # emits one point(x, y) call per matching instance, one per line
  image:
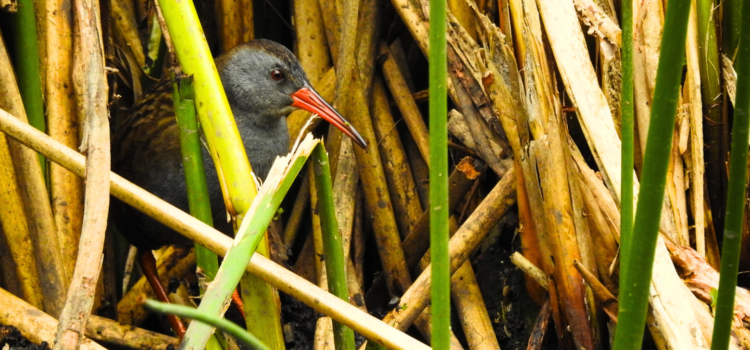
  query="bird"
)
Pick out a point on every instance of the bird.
point(263, 82)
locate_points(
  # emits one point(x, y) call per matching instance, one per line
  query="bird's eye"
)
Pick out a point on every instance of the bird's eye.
point(277, 75)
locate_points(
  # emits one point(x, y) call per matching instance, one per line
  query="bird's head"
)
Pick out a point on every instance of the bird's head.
point(265, 80)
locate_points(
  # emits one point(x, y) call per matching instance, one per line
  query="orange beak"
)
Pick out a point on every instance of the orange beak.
point(308, 99)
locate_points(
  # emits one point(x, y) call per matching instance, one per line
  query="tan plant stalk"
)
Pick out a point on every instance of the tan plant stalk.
point(230, 22)
point(110, 332)
point(397, 84)
point(91, 88)
point(692, 97)
point(17, 235)
point(62, 125)
point(406, 205)
point(8, 268)
point(471, 309)
point(248, 20)
point(312, 46)
point(33, 324)
point(39, 218)
point(345, 184)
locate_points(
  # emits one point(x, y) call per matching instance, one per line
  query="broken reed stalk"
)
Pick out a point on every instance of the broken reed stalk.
point(441, 274)
point(635, 280)
point(332, 243)
point(249, 236)
point(92, 90)
point(695, 164)
point(733, 226)
point(192, 165)
point(66, 189)
point(194, 229)
point(215, 321)
point(33, 189)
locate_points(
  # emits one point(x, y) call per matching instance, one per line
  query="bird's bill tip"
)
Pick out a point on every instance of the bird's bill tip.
point(308, 99)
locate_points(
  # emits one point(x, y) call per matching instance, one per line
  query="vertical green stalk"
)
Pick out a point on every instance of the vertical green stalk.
point(195, 175)
point(343, 336)
point(27, 66)
point(730, 256)
point(730, 31)
point(626, 103)
point(634, 287)
point(440, 287)
point(192, 165)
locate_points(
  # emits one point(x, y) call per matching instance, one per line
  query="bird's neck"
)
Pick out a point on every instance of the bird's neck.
point(264, 139)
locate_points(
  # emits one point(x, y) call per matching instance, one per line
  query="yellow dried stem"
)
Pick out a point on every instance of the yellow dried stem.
point(248, 20)
point(17, 234)
point(530, 269)
point(39, 219)
point(90, 86)
point(345, 184)
point(312, 46)
point(471, 309)
point(461, 10)
point(406, 204)
point(110, 332)
point(34, 325)
point(695, 166)
point(8, 268)
point(126, 28)
point(405, 101)
point(62, 125)
point(229, 19)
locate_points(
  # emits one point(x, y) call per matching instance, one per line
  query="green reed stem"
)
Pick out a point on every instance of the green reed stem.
point(27, 63)
point(343, 336)
point(440, 287)
point(634, 287)
point(192, 165)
